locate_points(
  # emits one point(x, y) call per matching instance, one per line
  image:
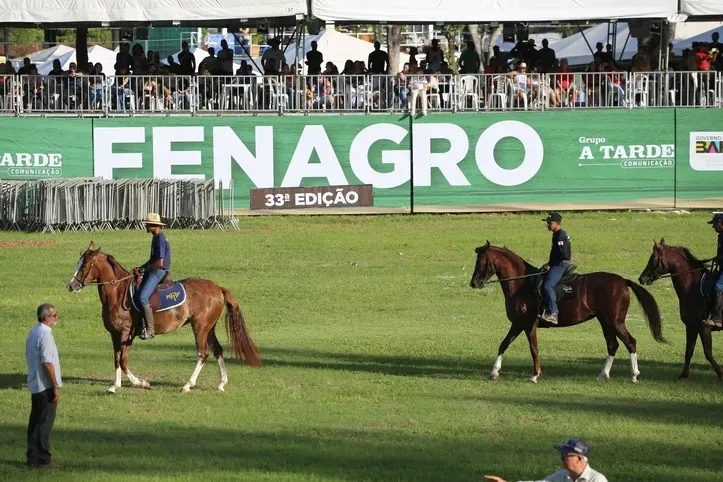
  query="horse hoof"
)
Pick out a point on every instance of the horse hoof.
point(634, 380)
point(493, 377)
point(533, 379)
point(221, 388)
point(185, 390)
point(146, 385)
point(110, 391)
point(602, 378)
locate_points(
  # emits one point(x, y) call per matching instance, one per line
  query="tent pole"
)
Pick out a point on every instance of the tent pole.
point(624, 45)
point(585, 39)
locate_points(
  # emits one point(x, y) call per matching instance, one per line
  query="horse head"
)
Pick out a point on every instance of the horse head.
point(87, 269)
point(483, 268)
point(658, 263)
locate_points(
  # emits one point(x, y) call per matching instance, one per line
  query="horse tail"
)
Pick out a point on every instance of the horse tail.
point(650, 310)
point(241, 342)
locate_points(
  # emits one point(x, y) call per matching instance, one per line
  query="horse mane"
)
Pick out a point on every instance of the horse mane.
point(529, 269)
point(690, 257)
point(118, 270)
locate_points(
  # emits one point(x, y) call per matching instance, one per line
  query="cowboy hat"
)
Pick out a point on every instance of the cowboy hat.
point(154, 218)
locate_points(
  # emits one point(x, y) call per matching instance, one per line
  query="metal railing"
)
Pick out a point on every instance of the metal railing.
point(206, 94)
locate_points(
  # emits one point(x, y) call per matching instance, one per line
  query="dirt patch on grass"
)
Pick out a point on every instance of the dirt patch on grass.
point(26, 244)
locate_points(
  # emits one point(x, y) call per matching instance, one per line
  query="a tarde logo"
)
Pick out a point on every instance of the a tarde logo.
point(706, 151)
point(26, 164)
point(228, 149)
point(625, 155)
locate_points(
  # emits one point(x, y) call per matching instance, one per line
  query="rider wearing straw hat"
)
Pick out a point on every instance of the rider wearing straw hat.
point(154, 269)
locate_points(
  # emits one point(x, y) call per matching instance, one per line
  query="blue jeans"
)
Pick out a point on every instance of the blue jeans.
point(551, 279)
point(150, 281)
point(718, 288)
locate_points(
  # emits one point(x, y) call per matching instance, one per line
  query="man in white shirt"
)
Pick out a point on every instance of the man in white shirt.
point(44, 382)
point(574, 464)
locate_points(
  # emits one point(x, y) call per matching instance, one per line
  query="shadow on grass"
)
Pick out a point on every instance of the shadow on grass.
point(20, 380)
point(167, 451)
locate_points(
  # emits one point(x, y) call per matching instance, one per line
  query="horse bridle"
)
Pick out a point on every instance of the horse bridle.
point(83, 284)
point(664, 266)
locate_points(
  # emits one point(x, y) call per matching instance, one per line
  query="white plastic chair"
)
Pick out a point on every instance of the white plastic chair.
point(500, 84)
point(641, 88)
point(468, 88)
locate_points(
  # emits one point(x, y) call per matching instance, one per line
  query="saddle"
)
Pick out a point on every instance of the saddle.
point(564, 289)
point(168, 294)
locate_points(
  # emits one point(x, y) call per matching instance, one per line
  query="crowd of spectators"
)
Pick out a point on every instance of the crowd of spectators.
point(141, 80)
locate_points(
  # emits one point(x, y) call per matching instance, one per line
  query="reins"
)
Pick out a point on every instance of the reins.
point(103, 283)
point(515, 278)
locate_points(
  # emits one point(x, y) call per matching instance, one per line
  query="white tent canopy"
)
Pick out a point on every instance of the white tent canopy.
point(96, 54)
point(475, 11)
point(702, 7)
point(575, 49)
point(682, 44)
point(336, 47)
point(97, 11)
point(43, 59)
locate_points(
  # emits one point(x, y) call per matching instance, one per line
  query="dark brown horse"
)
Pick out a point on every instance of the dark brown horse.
point(604, 296)
point(204, 304)
point(686, 272)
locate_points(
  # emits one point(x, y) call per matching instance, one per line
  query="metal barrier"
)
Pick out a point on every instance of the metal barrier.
point(206, 94)
point(82, 204)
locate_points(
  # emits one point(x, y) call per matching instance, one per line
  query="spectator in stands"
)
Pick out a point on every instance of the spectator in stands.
point(224, 62)
point(565, 88)
point(418, 84)
point(123, 59)
point(57, 69)
point(378, 60)
point(173, 67)
point(186, 60)
point(96, 81)
point(348, 67)
point(434, 57)
point(616, 81)
point(273, 59)
point(149, 56)
point(641, 60)
point(574, 462)
point(546, 57)
point(209, 63)
point(521, 82)
point(314, 59)
point(402, 89)
point(493, 66)
point(26, 66)
point(331, 69)
point(469, 62)
point(599, 55)
point(717, 47)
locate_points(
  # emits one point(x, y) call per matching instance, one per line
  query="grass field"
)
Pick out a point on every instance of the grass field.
point(377, 354)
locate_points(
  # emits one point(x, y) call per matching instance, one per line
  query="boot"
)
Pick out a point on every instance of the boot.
point(150, 330)
point(551, 318)
point(714, 318)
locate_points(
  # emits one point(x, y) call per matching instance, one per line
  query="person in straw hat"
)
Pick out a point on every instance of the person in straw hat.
point(154, 270)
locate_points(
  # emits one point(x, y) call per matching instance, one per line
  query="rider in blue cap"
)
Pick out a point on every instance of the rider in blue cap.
point(560, 256)
point(714, 319)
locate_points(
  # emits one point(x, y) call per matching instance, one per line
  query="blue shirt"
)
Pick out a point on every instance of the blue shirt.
point(40, 348)
point(160, 249)
point(719, 253)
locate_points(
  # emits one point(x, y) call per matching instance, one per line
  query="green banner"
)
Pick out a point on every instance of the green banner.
point(33, 148)
point(583, 159)
point(263, 152)
point(541, 160)
point(699, 172)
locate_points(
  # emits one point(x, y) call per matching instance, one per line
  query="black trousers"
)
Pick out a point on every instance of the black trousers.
point(42, 416)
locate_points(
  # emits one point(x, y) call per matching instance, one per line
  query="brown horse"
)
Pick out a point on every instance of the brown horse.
point(204, 304)
point(686, 272)
point(599, 295)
